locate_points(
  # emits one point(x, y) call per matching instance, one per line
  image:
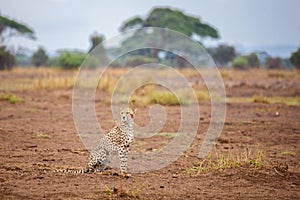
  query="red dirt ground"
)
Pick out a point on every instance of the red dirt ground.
point(39, 135)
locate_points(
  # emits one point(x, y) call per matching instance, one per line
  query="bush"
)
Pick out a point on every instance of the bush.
point(7, 60)
point(222, 54)
point(70, 60)
point(139, 60)
point(274, 63)
point(295, 58)
point(240, 63)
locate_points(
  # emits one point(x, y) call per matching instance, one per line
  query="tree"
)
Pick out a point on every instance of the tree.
point(295, 58)
point(95, 40)
point(172, 19)
point(10, 28)
point(7, 60)
point(166, 18)
point(39, 57)
point(223, 54)
point(253, 60)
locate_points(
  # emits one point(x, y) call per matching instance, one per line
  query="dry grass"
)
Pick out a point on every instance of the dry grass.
point(260, 99)
point(43, 135)
point(218, 162)
point(23, 79)
point(293, 101)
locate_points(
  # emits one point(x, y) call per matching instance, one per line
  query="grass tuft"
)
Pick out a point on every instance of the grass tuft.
point(221, 162)
point(43, 135)
point(260, 99)
point(165, 98)
point(11, 98)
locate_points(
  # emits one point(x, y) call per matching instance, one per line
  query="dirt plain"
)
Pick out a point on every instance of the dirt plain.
point(39, 135)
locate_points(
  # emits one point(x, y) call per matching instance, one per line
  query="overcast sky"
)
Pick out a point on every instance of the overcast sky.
point(68, 23)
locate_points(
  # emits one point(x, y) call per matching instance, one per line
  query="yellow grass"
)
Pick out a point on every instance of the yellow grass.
point(217, 161)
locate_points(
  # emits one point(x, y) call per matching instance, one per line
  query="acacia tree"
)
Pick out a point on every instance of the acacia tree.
point(172, 19)
point(11, 28)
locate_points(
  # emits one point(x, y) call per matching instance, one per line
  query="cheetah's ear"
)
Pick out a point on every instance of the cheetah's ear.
point(132, 112)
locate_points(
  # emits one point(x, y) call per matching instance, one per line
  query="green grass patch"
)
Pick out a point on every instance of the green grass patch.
point(11, 98)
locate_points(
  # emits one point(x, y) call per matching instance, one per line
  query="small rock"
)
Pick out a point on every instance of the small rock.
point(277, 114)
point(149, 149)
point(174, 176)
point(161, 186)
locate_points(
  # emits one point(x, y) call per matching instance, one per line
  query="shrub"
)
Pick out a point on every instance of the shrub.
point(240, 63)
point(295, 58)
point(139, 60)
point(274, 63)
point(70, 60)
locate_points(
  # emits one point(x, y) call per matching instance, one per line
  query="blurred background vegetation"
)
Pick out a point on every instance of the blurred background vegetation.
point(224, 55)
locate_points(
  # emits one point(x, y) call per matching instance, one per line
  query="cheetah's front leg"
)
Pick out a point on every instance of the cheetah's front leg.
point(123, 155)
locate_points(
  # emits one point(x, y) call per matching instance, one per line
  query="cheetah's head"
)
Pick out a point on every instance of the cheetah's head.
point(127, 113)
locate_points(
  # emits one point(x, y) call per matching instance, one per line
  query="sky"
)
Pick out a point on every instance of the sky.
point(246, 24)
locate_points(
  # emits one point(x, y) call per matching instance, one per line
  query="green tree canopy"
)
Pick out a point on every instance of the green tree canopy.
point(14, 28)
point(172, 19)
point(40, 57)
point(10, 28)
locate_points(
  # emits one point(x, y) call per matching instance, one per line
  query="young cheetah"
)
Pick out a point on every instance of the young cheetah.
point(117, 140)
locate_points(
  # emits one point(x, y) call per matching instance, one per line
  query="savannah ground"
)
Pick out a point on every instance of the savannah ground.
point(257, 155)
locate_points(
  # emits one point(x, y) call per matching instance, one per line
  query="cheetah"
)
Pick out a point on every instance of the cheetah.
point(117, 140)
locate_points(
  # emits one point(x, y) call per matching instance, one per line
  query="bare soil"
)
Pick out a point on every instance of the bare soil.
point(38, 136)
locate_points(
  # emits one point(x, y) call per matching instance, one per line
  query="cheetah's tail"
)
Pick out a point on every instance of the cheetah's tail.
point(74, 171)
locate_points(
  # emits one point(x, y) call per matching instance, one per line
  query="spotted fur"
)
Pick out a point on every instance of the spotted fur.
point(117, 140)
